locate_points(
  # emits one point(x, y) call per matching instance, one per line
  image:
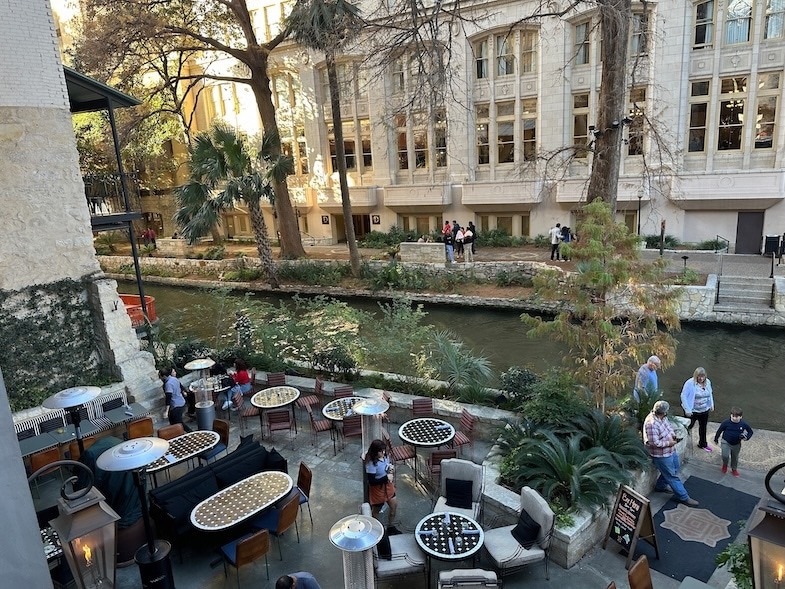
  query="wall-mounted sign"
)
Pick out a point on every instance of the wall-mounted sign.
point(325, 219)
point(376, 219)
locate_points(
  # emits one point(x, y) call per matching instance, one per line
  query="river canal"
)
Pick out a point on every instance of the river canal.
point(745, 365)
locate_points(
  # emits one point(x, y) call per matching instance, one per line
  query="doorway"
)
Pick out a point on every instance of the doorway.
point(749, 232)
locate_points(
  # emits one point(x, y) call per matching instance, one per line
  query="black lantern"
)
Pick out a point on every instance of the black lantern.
point(87, 528)
point(767, 548)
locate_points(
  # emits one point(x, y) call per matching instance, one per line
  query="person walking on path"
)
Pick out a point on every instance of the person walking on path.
point(473, 229)
point(555, 235)
point(301, 580)
point(733, 431)
point(175, 401)
point(468, 245)
point(459, 243)
point(660, 442)
point(566, 237)
point(697, 401)
point(381, 489)
point(448, 247)
point(646, 380)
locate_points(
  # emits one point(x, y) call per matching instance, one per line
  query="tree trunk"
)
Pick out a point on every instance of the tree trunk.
point(263, 242)
point(291, 244)
point(340, 156)
point(615, 18)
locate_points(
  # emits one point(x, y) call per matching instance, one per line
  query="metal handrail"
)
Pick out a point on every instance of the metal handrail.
point(719, 238)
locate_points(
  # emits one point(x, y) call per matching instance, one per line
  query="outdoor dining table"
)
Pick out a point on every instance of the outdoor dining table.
point(425, 432)
point(337, 409)
point(273, 398)
point(183, 448)
point(448, 536)
point(37, 443)
point(125, 413)
point(65, 435)
point(240, 501)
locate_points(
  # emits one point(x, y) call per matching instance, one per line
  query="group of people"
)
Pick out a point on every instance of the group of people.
point(148, 236)
point(697, 401)
point(559, 235)
point(459, 241)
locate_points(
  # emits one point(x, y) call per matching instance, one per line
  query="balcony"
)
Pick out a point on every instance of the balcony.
point(502, 196)
point(363, 199)
point(432, 198)
point(737, 191)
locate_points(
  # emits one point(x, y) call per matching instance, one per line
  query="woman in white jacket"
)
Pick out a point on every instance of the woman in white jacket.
point(697, 401)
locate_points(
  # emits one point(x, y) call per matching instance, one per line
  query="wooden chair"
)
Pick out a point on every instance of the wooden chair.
point(319, 426)
point(42, 459)
point(141, 428)
point(397, 454)
point(221, 426)
point(422, 407)
point(246, 550)
point(246, 412)
point(343, 391)
point(388, 398)
point(435, 463)
point(276, 379)
point(73, 447)
point(171, 431)
point(304, 479)
point(639, 574)
point(465, 434)
point(279, 420)
point(351, 428)
point(277, 521)
point(304, 401)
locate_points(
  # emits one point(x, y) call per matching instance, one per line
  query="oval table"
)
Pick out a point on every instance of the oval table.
point(273, 398)
point(426, 432)
point(240, 501)
point(184, 448)
point(448, 536)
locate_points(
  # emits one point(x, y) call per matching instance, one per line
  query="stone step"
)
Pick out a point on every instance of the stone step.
point(762, 309)
point(753, 293)
point(741, 297)
point(745, 281)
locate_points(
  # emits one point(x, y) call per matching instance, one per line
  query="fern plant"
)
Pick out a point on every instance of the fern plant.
point(736, 557)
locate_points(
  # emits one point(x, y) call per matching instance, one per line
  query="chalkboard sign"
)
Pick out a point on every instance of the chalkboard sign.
point(631, 520)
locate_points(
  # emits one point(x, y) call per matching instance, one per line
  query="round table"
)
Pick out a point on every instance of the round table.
point(448, 536)
point(337, 409)
point(426, 432)
point(272, 398)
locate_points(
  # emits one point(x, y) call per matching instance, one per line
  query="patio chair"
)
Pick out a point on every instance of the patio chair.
point(511, 548)
point(400, 453)
point(460, 488)
point(171, 431)
point(465, 433)
point(406, 558)
point(435, 463)
point(141, 428)
point(246, 550)
point(343, 391)
point(279, 420)
point(304, 479)
point(422, 407)
point(246, 412)
point(309, 401)
point(221, 427)
point(319, 426)
point(277, 521)
point(351, 427)
point(276, 379)
point(639, 574)
point(467, 579)
point(42, 459)
point(73, 447)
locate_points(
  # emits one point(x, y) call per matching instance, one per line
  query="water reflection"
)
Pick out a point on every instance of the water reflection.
point(746, 366)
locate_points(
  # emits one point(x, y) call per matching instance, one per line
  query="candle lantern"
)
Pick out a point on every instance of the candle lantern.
point(767, 549)
point(87, 528)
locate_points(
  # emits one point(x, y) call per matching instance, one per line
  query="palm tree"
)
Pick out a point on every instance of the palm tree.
point(326, 25)
point(224, 171)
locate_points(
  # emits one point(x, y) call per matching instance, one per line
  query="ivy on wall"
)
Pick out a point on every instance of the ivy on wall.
point(49, 341)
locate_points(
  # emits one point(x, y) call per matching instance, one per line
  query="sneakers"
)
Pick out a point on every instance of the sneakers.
point(225, 406)
point(708, 449)
point(234, 408)
point(689, 502)
point(724, 468)
point(735, 473)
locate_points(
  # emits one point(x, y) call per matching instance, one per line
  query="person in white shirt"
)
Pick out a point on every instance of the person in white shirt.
point(555, 235)
point(468, 245)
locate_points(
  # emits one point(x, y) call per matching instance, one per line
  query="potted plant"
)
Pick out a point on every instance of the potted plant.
point(736, 557)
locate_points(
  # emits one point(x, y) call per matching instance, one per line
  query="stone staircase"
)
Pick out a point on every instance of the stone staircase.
point(739, 294)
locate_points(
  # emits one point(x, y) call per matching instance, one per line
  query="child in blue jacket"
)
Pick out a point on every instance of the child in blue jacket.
point(733, 431)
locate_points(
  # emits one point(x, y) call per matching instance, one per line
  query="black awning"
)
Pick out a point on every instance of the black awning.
point(87, 94)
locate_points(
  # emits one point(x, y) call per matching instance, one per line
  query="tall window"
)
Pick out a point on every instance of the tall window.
point(639, 34)
point(775, 19)
point(505, 58)
point(738, 19)
point(481, 59)
point(365, 139)
point(529, 51)
point(505, 132)
point(397, 74)
point(287, 90)
point(482, 116)
point(582, 44)
point(349, 147)
point(440, 137)
point(403, 148)
point(526, 224)
point(420, 141)
point(733, 94)
point(529, 120)
point(580, 116)
point(636, 113)
point(768, 91)
point(699, 109)
point(704, 24)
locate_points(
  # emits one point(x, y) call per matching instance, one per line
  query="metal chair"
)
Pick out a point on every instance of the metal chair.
point(406, 556)
point(246, 550)
point(279, 420)
point(304, 479)
point(221, 427)
point(461, 470)
point(465, 433)
point(639, 574)
point(277, 521)
point(319, 426)
point(343, 391)
point(468, 579)
point(397, 454)
point(246, 412)
point(276, 379)
point(435, 463)
point(42, 459)
point(352, 427)
point(309, 401)
point(141, 428)
point(422, 407)
point(171, 431)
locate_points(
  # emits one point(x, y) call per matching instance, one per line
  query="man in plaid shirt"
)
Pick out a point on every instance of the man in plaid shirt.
point(660, 442)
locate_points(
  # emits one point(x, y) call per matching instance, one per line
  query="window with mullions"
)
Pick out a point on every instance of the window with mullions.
point(365, 141)
point(481, 59)
point(505, 132)
point(635, 128)
point(440, 137)
point(775, 20)
point(768, 93)
point(580, 117)
point(420, 141)
point(529, 120)
point(401, 138)
point(349, 147)
point(738, 21)
point(699, 110)
point(529, 40)
point(397, 75)
point(582, 43)
point(639, 32)
point(704, 24)
point(482, 117)
point(505, 58)
point(733, 95)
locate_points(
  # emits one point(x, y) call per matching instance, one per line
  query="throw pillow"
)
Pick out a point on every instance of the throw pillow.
point(459, 493)
point(526, 531)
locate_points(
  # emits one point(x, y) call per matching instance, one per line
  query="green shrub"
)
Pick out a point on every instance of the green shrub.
point(737, 559)
point(189, 350)
point(309, 272)
point(513, 278)
point(380, 240)
point(711, 244)
point(243, 275)
point(107, 241)
point(518, 382)
point(687, 276)
point(216, 252)
point(542, 241)
point(555, 399)
point(497, 238)
point(610, 432)
point(395, 276)
point(147, 251)
point(653, 241)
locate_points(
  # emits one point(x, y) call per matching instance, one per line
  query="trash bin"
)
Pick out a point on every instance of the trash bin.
point(771, 245)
